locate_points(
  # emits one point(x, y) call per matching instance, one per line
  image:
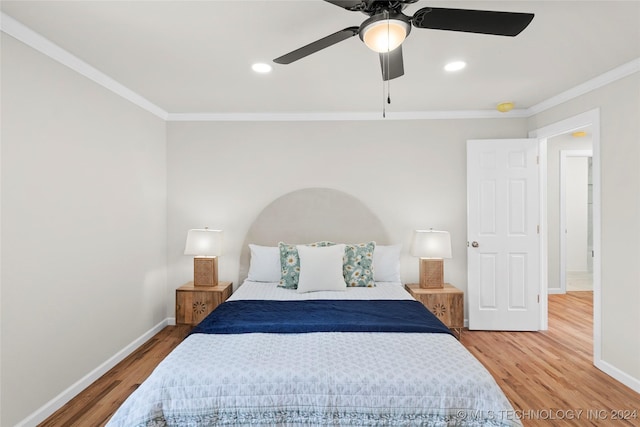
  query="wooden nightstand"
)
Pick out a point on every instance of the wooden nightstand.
point(194, 303)
point(446, 303)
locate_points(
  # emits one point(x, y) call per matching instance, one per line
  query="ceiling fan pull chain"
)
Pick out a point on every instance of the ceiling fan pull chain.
point(388, 91)
point(385, 94)
point(384, 106)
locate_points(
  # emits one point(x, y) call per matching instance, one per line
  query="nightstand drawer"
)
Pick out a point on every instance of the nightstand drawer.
point(194, 303)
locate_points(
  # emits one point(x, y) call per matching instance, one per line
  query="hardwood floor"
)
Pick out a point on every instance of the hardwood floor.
point(95, 405)
point(548, 376)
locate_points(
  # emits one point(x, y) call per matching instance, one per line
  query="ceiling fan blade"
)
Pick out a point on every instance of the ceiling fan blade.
point(317, 45)
point(472, 21)
point(392, 64)
point(349, 4)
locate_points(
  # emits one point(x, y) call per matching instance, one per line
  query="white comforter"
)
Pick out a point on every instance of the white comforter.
point(318, 378)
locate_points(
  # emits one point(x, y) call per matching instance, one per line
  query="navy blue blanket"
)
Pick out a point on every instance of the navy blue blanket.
point(285, 317)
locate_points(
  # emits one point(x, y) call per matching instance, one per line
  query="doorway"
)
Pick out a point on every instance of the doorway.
point(544, 134)
point(569, 211)
point(576, 218)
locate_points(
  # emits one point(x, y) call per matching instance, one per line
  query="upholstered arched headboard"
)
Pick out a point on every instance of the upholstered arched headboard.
point(310, 215)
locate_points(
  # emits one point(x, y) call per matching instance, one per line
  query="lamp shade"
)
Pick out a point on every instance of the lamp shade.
point(431, 244)
point(204, 242)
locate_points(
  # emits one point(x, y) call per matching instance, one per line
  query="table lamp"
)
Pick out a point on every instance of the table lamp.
point(206, 245)
point(431, 247)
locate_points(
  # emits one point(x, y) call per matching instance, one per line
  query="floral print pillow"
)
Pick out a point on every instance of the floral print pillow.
point(358, 265)
point(290, 263)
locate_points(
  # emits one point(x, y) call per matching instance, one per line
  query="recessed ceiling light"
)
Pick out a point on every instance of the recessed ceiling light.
point(579, 134)
point(261, 67)
point(455, 66)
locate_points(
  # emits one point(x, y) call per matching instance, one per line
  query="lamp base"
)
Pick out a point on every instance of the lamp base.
point(205, 271)
point(431, 273)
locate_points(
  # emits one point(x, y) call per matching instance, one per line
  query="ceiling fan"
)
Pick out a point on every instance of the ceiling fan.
point(387, 27)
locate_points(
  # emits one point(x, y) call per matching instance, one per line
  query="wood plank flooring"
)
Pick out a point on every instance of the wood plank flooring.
point(548, 376)
point(98, 402)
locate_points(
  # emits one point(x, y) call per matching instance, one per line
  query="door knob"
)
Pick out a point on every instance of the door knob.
point(475, 244)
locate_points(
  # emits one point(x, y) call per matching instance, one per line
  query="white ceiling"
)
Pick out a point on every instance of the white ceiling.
point(196, 56)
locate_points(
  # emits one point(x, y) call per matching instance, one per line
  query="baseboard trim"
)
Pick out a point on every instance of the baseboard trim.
point(60, 400)
point(617, 374)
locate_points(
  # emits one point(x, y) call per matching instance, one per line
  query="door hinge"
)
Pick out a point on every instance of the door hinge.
point(538, 228)
point(537, 160)
point(538, 298)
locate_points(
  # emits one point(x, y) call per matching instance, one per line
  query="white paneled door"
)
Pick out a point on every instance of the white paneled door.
point(503, 252)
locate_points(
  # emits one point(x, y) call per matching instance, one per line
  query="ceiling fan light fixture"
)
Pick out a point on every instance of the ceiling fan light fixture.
point(383, 33)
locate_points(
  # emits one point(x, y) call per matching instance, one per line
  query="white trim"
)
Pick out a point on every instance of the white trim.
point(591, 117)
point(564, 154)
point(343, 116)
point(544, 238)
point(588, 86)
point(623, 377)
point(43, 45)
point(60, 400)
point(573, 123)
point(29, 37)
point(0, 274)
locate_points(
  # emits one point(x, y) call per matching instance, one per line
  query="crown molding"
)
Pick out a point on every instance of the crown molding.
point(29, 37)
point(26, 35)
point(342, 116)
point(597, 82)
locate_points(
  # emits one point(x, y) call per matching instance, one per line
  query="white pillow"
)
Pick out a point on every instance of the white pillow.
point(264, 265)
point(321, 268)
point(386, 263)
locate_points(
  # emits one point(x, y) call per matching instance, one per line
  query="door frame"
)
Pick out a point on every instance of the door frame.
point(564, 155)
point(588, 118)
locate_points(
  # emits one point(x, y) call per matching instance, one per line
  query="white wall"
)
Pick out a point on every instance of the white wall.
point(412, 174)
point(83, 227)
point(619, 105)
point(577, 201)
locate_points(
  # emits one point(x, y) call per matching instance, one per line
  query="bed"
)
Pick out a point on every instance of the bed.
point(278, 355)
